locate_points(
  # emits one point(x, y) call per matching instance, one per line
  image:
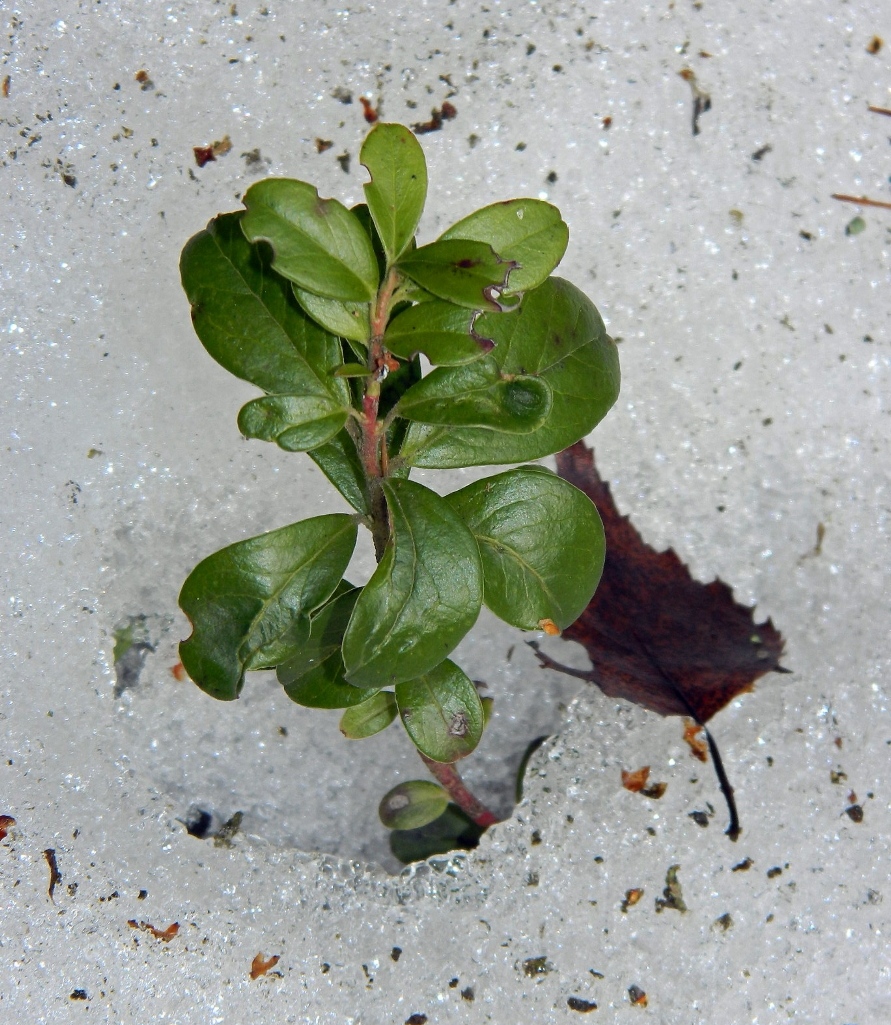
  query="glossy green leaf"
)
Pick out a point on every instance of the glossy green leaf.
point(541, 544)
point(412, 804)
point(248, 319)
point(478, 395)
point(313, 677)
point(398, 186)
point(250, 603)
point(453, 830)
point(468, 273)
point(441, 712)
point(557, 334)
point(339, 461)
point(527, 231)
point(317, 243)
point(344, 319)
point(297, 423)
point(443, 332)
point(369, 717)
point(352, 370)
point(423, 597)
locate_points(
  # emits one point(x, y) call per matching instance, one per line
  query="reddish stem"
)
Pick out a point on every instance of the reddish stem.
point(450, 778)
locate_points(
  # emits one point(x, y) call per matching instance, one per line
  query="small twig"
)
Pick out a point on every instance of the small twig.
point(861, 200)
point(879, 110)
point(450, 778)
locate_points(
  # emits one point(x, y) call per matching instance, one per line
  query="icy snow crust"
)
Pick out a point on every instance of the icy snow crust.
point(755, 352)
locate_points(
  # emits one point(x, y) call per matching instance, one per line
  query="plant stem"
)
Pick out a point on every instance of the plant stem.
point(373, 438)
point(449, 777)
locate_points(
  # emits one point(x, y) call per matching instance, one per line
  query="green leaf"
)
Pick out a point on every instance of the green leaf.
point(314, 676)
point(248, 319)
point(398, 186)
point(423, 597)
point(556, 334)
point(369, 717)
point(317, 243)
point(541, 544)
point(250, 604)
point(441, 712)
point(352, 370)
point(413, 804)
point(478, 395)
point(344, 319)
point(340, 462)
point(527, 231)
point(453, 830)
point(443, 332)
point(467, 273)
point(296, 423)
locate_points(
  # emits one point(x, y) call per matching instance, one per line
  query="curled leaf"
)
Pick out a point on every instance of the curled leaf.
point(250, 603)
point(297, 423)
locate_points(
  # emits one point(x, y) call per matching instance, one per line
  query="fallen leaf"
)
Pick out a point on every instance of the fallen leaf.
point(656, 636)
point(631, 898)
point(698, 744)
point(637, 996)
point(165, 935)
point(261, 965)
point(55, 875)
point(636, 780)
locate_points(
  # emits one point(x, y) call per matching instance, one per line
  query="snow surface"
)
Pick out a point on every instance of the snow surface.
point(755, 353)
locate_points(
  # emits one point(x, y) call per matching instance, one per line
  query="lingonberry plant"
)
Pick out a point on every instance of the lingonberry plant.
point(328, 311)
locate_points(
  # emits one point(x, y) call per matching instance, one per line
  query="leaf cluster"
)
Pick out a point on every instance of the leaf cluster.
point(375, 355)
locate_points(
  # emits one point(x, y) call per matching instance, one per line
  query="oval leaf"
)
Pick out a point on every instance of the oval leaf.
point(340, 462)
point(527, 231)
point(541, 544)
point(423, 597)
point(317, 243)
point(250, 603)
point(398, 186)
point(441, 712)
point(413, 804)
point(558, 335)
point(346, 320)
point(443, 332)
point(464, 272)
point(248, 319)
point(314, 676)
point(369, 717)
point(297, 423)
point(478, 395)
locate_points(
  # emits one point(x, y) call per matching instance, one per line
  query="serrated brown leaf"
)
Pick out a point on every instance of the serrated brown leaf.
point(654, 635)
